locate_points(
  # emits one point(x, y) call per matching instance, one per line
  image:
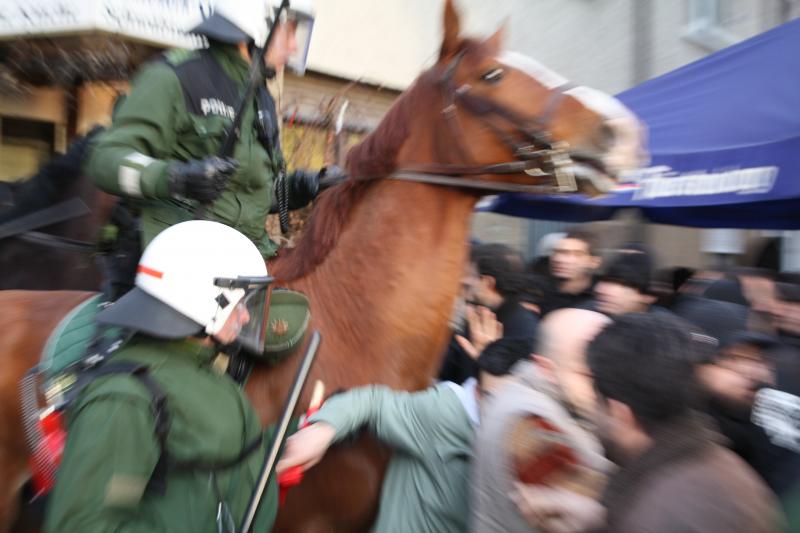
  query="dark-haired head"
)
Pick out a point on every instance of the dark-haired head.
point(574, 260)
point(584, 235)
point(646, 362)
point(500, 269)
point(632, 268)
point(625, 286)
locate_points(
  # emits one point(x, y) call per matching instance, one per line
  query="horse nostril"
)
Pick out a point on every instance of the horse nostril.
point(605, 137)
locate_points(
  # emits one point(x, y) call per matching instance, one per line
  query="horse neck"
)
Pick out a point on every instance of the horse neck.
point(386, 291)
point(383, 298)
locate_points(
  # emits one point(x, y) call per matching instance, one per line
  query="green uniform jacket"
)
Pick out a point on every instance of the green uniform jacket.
point(153, 128)
point(431, 432)
point(112, 449)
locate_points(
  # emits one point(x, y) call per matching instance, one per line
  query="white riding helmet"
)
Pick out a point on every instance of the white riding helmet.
point(190, 279)
point(236, 21)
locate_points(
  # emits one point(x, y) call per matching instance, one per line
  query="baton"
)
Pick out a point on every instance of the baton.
point(271, 457)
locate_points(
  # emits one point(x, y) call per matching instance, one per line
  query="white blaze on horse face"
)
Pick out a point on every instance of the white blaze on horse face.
point(549, 78)
point(628, 150)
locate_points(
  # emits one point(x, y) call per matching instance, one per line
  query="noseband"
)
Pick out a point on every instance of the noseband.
point(536, 154)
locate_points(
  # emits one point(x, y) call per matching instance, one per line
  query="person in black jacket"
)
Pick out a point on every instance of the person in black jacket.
point(573, 264)
point(495, 285)
point(625, 285)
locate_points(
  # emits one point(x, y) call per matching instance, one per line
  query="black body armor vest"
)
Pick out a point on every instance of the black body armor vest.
point(207, 90)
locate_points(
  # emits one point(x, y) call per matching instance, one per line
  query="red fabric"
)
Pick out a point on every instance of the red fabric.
point(552, 458)
point(46, 459)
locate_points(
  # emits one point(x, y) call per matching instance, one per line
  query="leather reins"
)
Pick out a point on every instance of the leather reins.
point(536, 154)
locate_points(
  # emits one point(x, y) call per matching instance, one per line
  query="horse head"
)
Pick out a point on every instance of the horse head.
point(503, 120)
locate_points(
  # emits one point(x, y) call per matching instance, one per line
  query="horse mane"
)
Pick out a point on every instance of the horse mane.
point(376, 155)
point(372, 158)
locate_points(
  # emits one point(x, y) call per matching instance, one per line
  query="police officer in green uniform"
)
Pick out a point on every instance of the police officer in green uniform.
point(190, 462)
point(159, 153)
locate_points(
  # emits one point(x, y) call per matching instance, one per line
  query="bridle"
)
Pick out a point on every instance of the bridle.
point(536, 154)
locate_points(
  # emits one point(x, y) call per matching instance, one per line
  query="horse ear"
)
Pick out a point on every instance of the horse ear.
point(452, 28)
point(495, 43)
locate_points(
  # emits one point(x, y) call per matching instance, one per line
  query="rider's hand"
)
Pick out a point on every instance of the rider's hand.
point(307, 447)
point(484, 329)
point(303, 187)
point(202, 180)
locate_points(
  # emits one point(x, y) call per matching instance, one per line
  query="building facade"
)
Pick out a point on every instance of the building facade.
point(62, 63)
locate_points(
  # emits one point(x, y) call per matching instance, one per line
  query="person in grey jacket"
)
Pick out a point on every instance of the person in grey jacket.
point(536, 466)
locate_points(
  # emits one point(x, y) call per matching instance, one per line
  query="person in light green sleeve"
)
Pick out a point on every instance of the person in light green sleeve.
point(430, 433)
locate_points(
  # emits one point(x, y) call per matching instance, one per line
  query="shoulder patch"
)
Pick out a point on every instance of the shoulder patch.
point(176, 56)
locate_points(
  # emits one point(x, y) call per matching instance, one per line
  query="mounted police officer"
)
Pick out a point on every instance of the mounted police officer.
point(171, 443)
point(159, 154)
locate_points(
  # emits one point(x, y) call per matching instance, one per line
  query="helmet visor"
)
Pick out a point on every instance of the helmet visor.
point(250, 319)
point(246, 323)
point(303, 29)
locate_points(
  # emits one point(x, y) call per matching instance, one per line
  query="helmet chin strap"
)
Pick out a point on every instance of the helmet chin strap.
point(239, 364)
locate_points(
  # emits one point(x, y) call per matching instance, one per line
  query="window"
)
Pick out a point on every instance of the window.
point(704, 13)
point(24, 146)
point(704, 26)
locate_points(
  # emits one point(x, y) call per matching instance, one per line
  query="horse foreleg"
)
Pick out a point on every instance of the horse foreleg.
point(13, 467)
point(26, 320)
point(12, 478)
point(338, 495)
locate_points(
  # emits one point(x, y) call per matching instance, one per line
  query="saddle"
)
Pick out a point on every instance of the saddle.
point(287, 321)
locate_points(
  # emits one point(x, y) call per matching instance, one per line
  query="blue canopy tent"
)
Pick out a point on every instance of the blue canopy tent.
point(724, 140)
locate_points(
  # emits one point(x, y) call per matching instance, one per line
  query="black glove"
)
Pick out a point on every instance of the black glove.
point(303, 188)
point(202, 180)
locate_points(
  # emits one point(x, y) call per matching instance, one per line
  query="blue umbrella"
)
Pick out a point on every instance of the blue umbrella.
point(724, 140)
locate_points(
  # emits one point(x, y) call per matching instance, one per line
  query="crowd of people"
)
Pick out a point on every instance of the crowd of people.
point(578, 394)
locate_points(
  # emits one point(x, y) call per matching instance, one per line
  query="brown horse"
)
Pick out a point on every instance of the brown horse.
point(381, 259)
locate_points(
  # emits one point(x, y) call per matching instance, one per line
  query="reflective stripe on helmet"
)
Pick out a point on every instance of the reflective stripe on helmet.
point(141, 269)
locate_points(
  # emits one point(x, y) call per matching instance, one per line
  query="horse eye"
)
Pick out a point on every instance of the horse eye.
point(493, 76)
